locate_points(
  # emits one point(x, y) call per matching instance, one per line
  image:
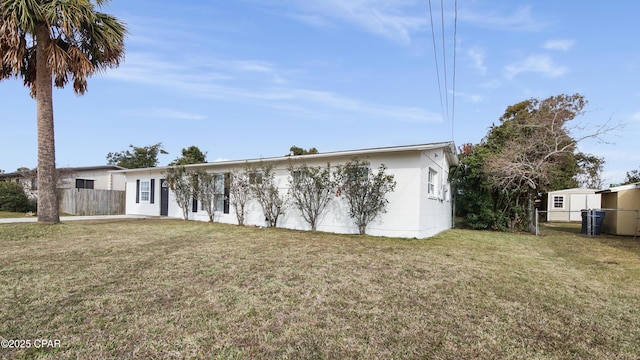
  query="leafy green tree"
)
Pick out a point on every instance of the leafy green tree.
point(295, 151)
point(476, 201)
point(633, 177)
point(138, 157)
point(190, 155)
point(531, 152)
point(589, 171)
point(182, 183)
point(46, 43)
point(365, 191)
point(310, 189)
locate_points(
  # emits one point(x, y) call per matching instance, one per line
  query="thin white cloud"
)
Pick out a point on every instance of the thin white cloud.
point(474, 98)
point(167, 113)
point(491, 84)
point(395, 20)
point(237, 82)
point(521, 20)
point(636, 117)
point(562, 45)
point(477, 55)
point(541, 64)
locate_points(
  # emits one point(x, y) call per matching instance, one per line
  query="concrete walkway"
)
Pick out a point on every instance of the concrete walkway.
point(33, 219)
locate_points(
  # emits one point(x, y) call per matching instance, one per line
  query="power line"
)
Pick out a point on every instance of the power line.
point(435, 54)
point(448, 116)
point(444, 61)
point(455, 46)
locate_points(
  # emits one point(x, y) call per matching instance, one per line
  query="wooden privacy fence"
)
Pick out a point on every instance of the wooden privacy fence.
point(91, 202)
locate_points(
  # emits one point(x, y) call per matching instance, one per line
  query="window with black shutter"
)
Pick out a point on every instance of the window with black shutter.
point(153, 191)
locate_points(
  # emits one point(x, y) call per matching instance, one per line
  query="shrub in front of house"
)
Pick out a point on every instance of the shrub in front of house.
point(14, 199)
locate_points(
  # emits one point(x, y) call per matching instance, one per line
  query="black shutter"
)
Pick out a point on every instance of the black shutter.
point(153, 191)
point(227, 180)
point(137, 191)
point(194, 205)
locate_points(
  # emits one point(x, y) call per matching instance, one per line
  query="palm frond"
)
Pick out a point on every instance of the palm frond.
point(81, 41)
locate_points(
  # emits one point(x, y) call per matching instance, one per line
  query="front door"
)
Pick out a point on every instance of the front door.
point(164, 197)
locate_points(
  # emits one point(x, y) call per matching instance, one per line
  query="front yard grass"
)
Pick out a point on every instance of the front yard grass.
point(10, 214)
point(177, 289)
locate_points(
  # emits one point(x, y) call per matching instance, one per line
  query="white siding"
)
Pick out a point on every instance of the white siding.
point(574, 200)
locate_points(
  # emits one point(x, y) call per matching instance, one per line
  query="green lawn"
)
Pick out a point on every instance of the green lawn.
point(176, 289)
point(9, 214)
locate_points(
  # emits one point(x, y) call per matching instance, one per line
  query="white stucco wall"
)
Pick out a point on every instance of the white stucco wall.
point(435, 209)
point(410, 211)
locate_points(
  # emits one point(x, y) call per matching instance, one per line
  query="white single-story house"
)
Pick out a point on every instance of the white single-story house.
point(565, 205)
point(420, 206)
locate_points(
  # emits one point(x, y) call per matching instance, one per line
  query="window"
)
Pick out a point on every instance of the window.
point(296, 176)
point(300, 176)
point(84, 184)
point(432, 184)
point(145, 191)
point(357, 173)
point(219, 192)
point(255, 178)
point(558, 202)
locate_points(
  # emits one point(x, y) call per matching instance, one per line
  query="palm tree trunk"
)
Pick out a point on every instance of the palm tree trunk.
point(47, 196)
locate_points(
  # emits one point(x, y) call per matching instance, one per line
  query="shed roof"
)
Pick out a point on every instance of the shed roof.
point(574, 191)
point(620, 188)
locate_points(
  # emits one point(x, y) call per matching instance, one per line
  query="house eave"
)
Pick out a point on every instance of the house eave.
point(448, 146)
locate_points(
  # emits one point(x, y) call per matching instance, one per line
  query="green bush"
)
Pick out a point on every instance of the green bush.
point(13, 198)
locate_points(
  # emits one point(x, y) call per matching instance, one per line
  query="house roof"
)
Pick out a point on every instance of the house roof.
point(449, 147)
point(574, 191)
point(82, 168)
point(620, 188)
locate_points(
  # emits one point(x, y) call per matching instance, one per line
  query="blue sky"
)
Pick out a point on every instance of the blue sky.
point(248, 78)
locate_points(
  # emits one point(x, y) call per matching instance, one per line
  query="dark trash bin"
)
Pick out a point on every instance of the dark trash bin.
point(592, 222)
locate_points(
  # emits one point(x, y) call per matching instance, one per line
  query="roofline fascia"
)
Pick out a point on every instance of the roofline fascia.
point(391, 149)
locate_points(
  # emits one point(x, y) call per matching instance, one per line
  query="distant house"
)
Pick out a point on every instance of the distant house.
point(565, 205)
point(89, 190)
point(88, 177)
point(420, 206)
point(622, 208)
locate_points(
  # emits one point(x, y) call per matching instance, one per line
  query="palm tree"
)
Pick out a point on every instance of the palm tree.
point(49, 42)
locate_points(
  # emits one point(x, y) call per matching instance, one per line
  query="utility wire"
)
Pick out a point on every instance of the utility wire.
point(455, 45)
point(435, 54)
point(448, 116)
point(444, 60)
